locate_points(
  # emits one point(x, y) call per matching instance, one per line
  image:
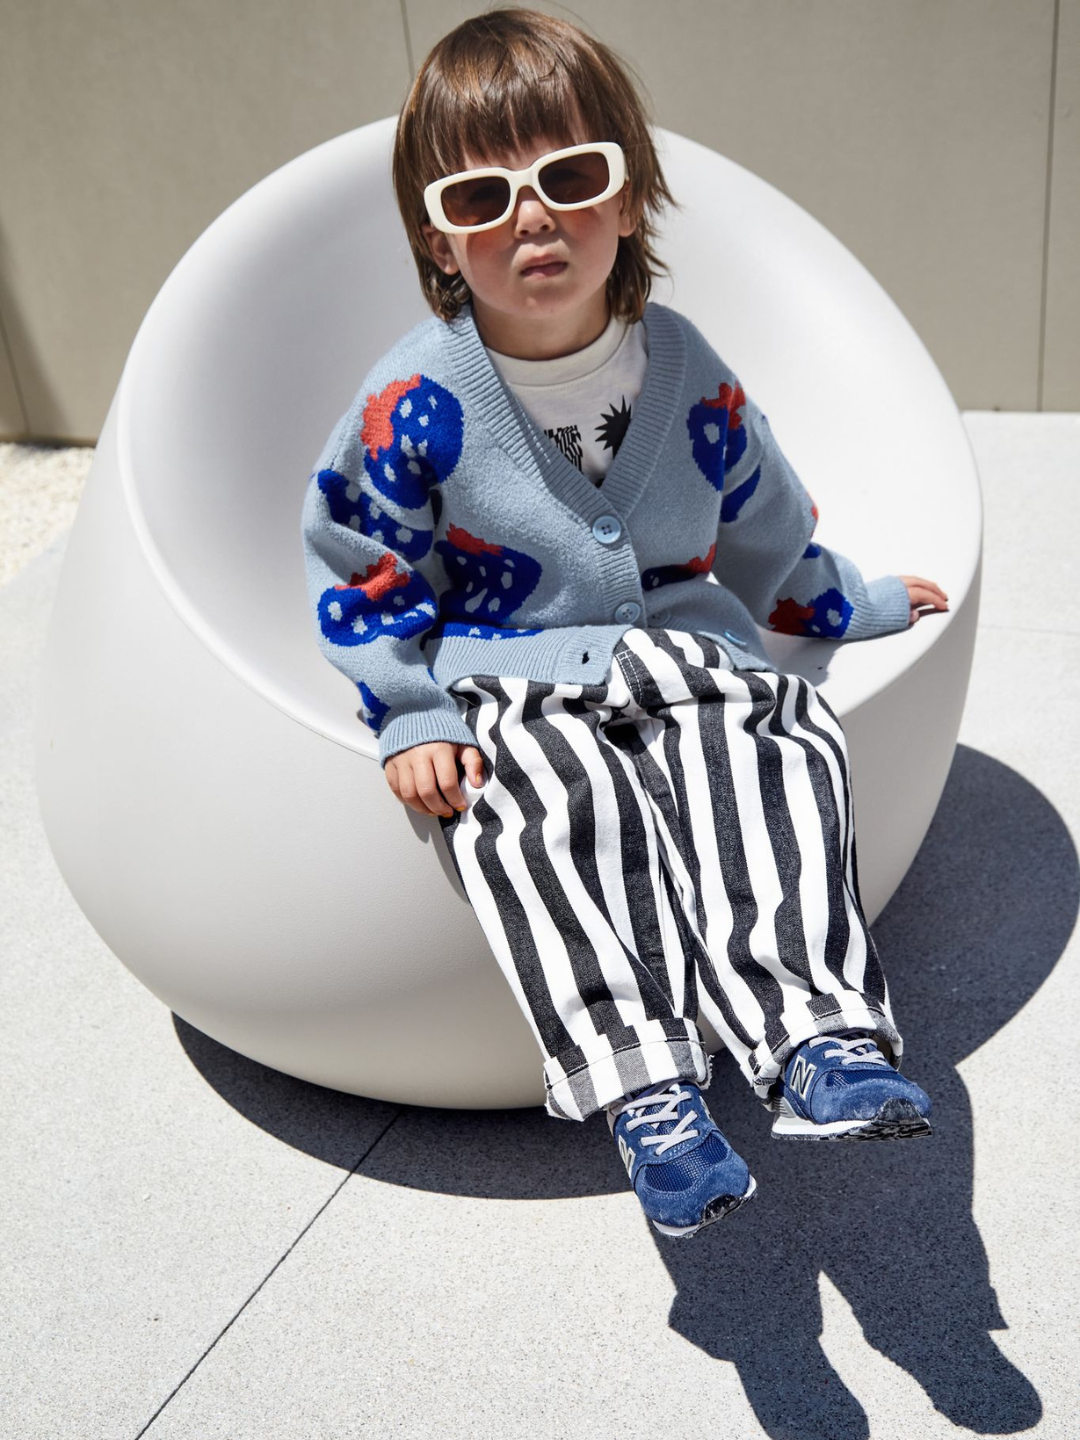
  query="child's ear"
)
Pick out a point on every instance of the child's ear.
point(438, 245)
point(628, 214)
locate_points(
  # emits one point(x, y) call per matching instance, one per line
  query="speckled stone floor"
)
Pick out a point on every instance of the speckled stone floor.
point(198, 1248)
point(40, 487)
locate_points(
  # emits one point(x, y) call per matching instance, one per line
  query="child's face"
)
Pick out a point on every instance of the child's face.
point(528, 309)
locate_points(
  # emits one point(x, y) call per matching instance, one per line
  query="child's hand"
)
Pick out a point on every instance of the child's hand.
point(923, 592)
point(419, 774)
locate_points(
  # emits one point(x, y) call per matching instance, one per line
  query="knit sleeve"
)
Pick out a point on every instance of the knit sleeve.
point(369, 516)
point(765, 552)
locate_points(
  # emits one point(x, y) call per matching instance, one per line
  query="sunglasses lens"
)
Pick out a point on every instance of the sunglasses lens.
point(576, 179)
point(476, 202)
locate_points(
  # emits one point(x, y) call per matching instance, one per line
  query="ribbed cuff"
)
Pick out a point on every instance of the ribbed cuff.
point(421, 727)
point(888, 608)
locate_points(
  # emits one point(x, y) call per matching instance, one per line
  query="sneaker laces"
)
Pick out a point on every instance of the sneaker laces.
point(855, 1049)
point(668, 1103)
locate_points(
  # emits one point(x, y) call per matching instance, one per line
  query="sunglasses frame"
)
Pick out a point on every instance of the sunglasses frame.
point(612, 152)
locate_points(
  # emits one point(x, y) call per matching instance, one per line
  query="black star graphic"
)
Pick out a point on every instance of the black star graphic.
point(614, 427)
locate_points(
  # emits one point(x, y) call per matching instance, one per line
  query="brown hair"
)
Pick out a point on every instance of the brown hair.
point(504, 79)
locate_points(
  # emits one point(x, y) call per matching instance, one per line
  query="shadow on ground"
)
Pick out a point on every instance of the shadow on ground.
point(978, 924)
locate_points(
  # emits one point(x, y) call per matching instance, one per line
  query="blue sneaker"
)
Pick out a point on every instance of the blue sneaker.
point(682, 1169)
point(841, 1087)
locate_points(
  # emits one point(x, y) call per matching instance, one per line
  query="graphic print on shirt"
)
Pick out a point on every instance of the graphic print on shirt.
point(610, 434)
point(567, 439)
point(613, 426)
point(488, 583)
point(659, 575)
point(718, 443)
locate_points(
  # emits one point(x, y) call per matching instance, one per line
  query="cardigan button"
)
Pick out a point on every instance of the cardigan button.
point(735, 639)
point(628, 613)
point(607, 529)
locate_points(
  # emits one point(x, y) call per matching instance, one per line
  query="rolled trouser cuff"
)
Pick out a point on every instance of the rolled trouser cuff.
point(582, 1091)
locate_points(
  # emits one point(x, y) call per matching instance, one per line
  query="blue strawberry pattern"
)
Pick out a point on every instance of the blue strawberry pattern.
point(384, 600)
point(351, 506)
point(487, 583)
point(412, 434)
point(373, 710)
point(717, 433)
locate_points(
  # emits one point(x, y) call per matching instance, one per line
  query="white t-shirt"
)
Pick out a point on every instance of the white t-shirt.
point(583, 401)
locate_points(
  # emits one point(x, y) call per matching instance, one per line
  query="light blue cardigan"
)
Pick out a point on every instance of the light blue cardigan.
point(445, 535)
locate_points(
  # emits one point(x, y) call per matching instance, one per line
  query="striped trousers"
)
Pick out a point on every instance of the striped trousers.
point(675, 842)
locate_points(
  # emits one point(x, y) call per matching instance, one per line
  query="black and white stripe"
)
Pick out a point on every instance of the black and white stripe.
point(677, 840)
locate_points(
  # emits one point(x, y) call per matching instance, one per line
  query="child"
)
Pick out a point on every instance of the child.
point(538, 542)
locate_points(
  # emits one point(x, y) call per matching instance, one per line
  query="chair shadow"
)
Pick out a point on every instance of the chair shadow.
point(977, 925)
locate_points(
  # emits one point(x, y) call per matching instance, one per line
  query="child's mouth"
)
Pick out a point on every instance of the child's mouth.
point(554, 268)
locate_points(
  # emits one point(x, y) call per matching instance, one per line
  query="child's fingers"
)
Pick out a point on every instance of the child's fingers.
point(929, 592)
point(445, 771)
point(929, 588)
point(426, 786)
point(425, 777)
point(473, 762)
point(401, 777)
point(923, 592)
point(415, 780)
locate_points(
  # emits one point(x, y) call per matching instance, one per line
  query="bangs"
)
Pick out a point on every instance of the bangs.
point(488, 99)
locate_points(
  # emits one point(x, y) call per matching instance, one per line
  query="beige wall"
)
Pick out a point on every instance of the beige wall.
point(939, 139)
point(126, 126)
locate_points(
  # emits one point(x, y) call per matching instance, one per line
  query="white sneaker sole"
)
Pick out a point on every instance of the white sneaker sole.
point(896, 1120)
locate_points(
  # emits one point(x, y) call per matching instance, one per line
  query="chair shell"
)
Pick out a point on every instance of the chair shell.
point(214, 802)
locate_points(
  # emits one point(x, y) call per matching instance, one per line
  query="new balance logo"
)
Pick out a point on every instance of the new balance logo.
point(802, 1072)
point(627, 1156)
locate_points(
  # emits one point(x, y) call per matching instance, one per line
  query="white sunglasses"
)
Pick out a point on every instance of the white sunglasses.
point(569, 179)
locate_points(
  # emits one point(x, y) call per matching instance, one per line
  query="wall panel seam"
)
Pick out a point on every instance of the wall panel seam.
point(20, 398)
point(1048, 208)
point(408, 38)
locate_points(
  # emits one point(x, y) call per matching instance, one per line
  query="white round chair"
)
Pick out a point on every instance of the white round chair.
point(212, 798)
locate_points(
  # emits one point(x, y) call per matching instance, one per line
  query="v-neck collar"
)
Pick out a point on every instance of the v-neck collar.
point(536, 453)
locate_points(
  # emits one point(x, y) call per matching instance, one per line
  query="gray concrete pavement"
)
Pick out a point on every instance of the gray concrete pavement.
point(195, 1246)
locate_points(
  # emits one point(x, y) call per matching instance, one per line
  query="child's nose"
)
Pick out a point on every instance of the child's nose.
point(531, 213)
